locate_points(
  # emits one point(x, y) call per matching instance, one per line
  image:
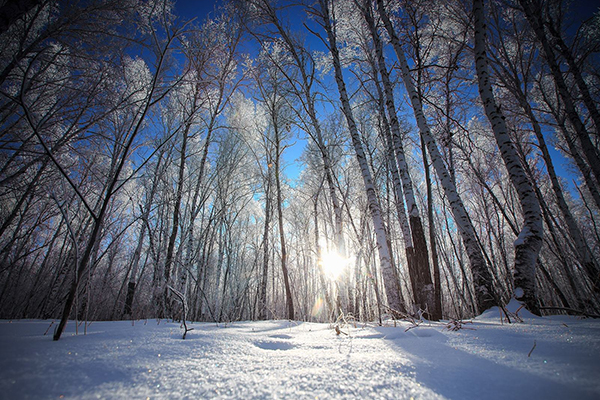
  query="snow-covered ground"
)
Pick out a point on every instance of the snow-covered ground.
point(282, 359)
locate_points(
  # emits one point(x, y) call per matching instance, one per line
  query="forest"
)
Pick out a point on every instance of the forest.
point(305, 159)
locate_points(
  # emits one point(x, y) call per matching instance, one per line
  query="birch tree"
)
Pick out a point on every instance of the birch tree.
point(482, 278)
point(537, 13)
point(514, 64)
point(300, 72)
point(417, 254)
point(326, 14)
point(529, 241)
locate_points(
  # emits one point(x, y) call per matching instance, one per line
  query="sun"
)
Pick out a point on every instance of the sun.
point(333, 264)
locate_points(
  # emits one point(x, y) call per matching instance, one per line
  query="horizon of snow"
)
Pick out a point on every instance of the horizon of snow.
point(552, 358)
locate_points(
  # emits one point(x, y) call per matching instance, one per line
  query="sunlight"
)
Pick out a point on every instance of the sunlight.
point(333, 264)
point(317, 308)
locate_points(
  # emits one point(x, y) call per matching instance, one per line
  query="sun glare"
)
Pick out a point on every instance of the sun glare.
point(334, 264)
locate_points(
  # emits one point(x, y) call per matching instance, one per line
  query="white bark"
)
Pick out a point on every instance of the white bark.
point(389, 277)
point(482, 279)
point(421, 279)
point(529, 241)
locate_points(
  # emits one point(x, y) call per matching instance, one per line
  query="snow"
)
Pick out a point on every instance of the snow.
point(519, 292)
point(524, 234)
point(551, 358)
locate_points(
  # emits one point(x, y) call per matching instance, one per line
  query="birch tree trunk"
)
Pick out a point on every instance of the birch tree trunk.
point(437, 284)
point(573, 151)
point(482, 278)
point(583, 251)
point(529, 241)
point(423, 287)
point(391, 284)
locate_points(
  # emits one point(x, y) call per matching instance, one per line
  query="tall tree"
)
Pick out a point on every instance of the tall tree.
point(482, 277)
point(514, 69)
point(417, 254)
point(300, 72)
point(529, 241)
point(272, 96)
point(326, 14)
point(151, 96)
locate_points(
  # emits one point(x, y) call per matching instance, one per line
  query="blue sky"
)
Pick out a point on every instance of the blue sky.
point(201, 8)
point(194, 8)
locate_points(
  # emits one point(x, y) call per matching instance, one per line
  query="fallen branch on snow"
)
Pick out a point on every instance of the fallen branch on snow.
point(457, 324)
point(531, 351)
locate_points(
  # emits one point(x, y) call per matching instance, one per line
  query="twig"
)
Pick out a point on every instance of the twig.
point(338, 331)
point(531, 351)
point(398, 313)
point(457, 324)
point(415, 324)
point(503, 309)
point(50, 326)
point(516, 317)
point(182, 298)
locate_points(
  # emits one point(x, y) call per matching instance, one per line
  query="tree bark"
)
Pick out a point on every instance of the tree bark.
point(262, 292)
point(529, 241)
point(482, 278)
point(423, 287)
point(284, 268)
point(390, 283)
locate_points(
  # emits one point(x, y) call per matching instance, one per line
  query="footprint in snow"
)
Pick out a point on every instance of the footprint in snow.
point(273, 345)
point(281, 336)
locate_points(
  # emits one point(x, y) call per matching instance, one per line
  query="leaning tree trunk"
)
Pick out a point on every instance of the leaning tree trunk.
point(416, 282)
point(111, 188)
point(437, 284)
point(584, 254)
point(529, 241)
point(422, 283)
point(391, 284)
point(485, 296)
